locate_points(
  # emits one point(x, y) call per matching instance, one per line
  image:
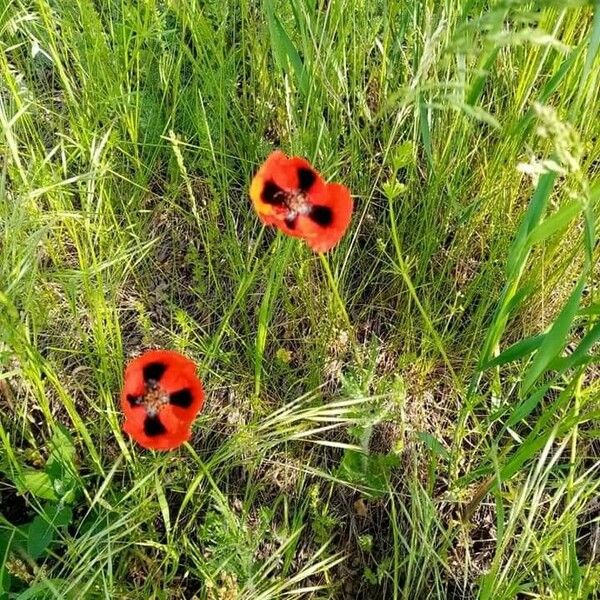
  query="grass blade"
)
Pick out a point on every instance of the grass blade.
point(554, 340)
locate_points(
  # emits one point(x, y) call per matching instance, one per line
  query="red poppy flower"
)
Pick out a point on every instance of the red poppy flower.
point(161, 397)
point(289, 194)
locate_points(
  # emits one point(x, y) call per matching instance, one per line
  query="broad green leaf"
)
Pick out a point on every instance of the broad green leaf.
point(433, 444)
point(516, 351)
point(284, 51)
point(403, 155)
point(593, 309)
point(371, 471)
point(554, 340)
point(518, 298)
point(38, 483)
point(47, 589)
point(555, 223)
point(482, 75)
point(539, 435)
point(63, 448)
point(527, 450)
point(61, 516)
point(593, 46)
point(565, 68)
point(535, 210)
point(39, 536)
point(60, 465)
point(527, 406)
point(43, 527)
point(507, 305)
point(353, 464)
point(580, 354)
point(5, 580)
point(5, 583)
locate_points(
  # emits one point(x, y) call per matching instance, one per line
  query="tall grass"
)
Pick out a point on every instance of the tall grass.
point(414, 416)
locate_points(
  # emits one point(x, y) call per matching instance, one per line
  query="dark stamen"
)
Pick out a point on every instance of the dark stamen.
point(153, 426)
point(182, 398)
point(321, 215)
point(134, 400)
point(154, 371)
point(273, 194)
point(291, 223)
point(306, 178)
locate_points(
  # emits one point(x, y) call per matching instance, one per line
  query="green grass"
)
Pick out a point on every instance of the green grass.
point(414, 415)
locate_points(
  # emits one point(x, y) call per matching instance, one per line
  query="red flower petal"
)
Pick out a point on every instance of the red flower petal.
point(167, 432)
point(161, 396)
point(335, 207)
point(290, 195)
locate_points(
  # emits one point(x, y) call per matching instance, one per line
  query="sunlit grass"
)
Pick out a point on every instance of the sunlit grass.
point(414, 415)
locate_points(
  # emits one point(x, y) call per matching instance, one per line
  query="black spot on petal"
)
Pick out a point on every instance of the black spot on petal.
point(306, 178)
point(134, 400)
point(182, 398)
point(291, 222)
point(321, 215)
point(273, 194)
point(154, 371)
point(153, 426)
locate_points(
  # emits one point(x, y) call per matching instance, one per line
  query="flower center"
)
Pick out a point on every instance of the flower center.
point(292, 203)
point(154, 397)
point(297, 203)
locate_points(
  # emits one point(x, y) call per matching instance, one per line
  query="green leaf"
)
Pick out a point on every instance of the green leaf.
point(516, 351)
point(403, 155)
point(591, 310)
point(270, 294)
point(535, 210)
point(60, 465)
point(371, 471)
point(42, 529)
point(555, 223)
point(580, 355)
point(482, 74)
point(593, 47)
point(39, 536)
point(62, 516)
point(353, 465)
point(589, 229)
point(527, 406)
point(369, 576)
point(539, 436)
point(528, 449)
point(518, 298)
point(5, 580)
point(46, 589)
point(433, 444)
point(38, 483)
point(284, 51)
point(522, 127)
point(425, 132)
point(554, 340)
point(63, 448)
point(5, 583)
